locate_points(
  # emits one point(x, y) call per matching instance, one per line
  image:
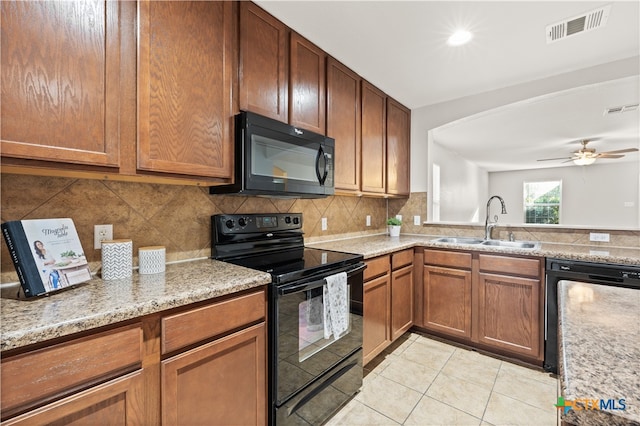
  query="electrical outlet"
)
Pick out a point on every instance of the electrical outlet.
point(324, 224)
point(416, 220)
point(101, 233)
point(596, 236)
point(399, 217)
point(368, 220)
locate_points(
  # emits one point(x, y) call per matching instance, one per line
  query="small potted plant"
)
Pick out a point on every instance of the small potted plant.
point(394, 226)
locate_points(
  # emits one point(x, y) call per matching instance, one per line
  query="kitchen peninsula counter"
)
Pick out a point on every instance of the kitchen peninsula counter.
point(378, 245)
point(599, 356)
point(98, 303)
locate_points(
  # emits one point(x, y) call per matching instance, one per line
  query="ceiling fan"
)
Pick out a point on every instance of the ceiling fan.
point(585, 156)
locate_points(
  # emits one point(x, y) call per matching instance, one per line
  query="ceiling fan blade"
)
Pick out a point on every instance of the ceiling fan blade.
point(621, 151)
point(607, 155)
point(553, 159)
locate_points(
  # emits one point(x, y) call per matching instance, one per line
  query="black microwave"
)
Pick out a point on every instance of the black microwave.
point(275, 159)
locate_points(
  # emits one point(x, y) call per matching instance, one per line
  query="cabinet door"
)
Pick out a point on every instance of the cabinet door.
point(398, 148)
point(185, 81)
point(401, 301)
point(376, 335)
point(264, 59)
point(222, 382)
point(307, 107)
point(118, 402)
point(343, 123)
point(508, 314)
point(61, 81)
point(447, 301)
point(373, 139)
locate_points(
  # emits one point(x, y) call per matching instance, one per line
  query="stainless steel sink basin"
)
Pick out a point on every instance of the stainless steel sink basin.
point(458, 240)
point(511, 244)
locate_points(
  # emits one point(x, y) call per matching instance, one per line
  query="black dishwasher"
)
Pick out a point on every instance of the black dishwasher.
point(587, 272)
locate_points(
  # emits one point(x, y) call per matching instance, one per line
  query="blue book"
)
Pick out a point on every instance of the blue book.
point(47, 254)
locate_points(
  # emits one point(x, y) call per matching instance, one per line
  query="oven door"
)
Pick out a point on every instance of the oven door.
point(301, 352)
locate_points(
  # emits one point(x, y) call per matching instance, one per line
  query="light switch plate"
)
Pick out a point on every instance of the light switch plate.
point(416, 220)
point(324, 224)
point(368, 220)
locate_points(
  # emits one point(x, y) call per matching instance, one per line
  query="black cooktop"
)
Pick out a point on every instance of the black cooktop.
point(291, 265)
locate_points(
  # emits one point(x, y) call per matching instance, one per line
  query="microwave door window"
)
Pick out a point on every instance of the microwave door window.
point(282, 161)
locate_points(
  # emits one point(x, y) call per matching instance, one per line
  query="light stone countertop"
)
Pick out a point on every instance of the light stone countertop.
point(377, 245)
point(98, 303)
point(599, 357)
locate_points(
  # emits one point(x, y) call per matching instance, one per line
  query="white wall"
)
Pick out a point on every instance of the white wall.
point(463, 187)
point(432, 116)
point(595, 195)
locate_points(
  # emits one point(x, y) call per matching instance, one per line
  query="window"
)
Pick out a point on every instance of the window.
point(542, 202)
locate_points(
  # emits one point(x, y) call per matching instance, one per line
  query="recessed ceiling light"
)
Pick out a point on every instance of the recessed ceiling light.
point(459, 38)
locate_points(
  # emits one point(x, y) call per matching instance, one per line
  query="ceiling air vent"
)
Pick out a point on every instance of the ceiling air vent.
point(578, 24)
point(620, 109)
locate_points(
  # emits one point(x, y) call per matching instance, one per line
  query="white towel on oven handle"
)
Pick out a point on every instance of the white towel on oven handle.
point(336, 305)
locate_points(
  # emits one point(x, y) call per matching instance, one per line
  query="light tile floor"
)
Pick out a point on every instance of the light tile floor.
point(422, 381)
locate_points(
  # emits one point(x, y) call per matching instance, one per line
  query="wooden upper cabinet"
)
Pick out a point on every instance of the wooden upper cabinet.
point(373, 139)
point(307, 107)
point(398, 148)
point(61, 81)
point(264, 61)
point(343, 123)
point(185, 86)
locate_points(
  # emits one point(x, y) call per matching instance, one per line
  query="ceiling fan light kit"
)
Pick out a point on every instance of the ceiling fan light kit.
point(584, 161)
point(586, 156)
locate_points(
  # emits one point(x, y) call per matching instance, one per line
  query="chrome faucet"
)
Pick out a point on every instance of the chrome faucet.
point(488, 226)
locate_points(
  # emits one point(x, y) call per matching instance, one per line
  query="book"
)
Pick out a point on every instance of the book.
point(46, 253)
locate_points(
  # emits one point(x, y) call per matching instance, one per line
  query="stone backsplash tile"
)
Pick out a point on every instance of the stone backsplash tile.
point(178, 217)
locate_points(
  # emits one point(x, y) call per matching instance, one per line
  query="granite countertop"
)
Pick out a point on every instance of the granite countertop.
point(97, 303)
point(377, 245)
point(599, 331)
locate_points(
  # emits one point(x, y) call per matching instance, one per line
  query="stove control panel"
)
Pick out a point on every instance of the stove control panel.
point(255, 223)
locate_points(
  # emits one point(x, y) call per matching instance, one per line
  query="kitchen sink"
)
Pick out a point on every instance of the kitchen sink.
point(511, 244)
point(459, 240)
point(527, 245)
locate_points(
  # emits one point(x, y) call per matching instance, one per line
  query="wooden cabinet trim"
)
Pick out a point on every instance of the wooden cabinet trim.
point(373, 134)
point(186, 328)
point(376, 267)
point(398, 164)
point(510, 265)
point(46, 373)
point(453, 259)
point(401, 258)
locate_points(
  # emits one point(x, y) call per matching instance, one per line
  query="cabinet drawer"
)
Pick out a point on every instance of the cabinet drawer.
point(510, 265)
point(376, 267)
point(186, 328)
point(402, 258)
point(46, 373)
point(453, 259)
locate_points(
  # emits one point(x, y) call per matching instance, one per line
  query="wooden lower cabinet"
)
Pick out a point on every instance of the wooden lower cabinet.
point(199, 364)
point(388, 301)
point(118, 402)
point(401, 301)
point(494, 302)
point(376, 336)
point(508, 313)
point(222, 382)
point(447, 301)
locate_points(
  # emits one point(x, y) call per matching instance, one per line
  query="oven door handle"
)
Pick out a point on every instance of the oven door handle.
point(315, 282)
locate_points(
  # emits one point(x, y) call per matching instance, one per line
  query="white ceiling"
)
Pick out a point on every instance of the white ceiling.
point(400, 46)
